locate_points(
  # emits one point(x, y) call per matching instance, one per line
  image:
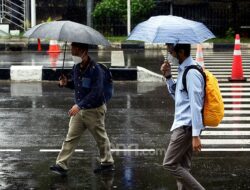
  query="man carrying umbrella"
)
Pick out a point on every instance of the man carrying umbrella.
point(88, 112)
point(188, 121)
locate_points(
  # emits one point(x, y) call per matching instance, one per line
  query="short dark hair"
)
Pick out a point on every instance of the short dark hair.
point(80, 45)
point(185, 47)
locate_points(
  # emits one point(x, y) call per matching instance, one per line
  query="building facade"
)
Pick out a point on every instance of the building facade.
point(218, 15)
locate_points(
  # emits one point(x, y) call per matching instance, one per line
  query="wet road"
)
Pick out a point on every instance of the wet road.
point(34, 124)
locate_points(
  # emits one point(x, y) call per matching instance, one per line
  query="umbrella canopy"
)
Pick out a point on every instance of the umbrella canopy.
point(171, 29)
point(67, 31)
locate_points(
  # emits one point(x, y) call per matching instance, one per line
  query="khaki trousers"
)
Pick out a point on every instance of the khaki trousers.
point(178, 159)
point(93, 120)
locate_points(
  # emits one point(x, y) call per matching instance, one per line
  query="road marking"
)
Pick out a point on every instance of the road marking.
point(133, 150)
point(237, 111)
point(58, 150)
point(236, 118)
point(234, 89)
point(234, 84)
point(225, 141)
point(113, 150)
point(235, 93)
point(236, 105)
point(225, 149)
point(230, 126)
point(10, 150)
point(225, 133)
point(236, 100)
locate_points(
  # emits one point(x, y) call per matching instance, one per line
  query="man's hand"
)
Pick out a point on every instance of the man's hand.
point(196, 144)
point(74, 110)
point(166, 69)
point(63, 81)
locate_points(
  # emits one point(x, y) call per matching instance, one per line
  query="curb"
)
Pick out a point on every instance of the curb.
point(41, 73)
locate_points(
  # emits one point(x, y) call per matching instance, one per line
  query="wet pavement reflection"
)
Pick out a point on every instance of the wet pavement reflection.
point(34, 118)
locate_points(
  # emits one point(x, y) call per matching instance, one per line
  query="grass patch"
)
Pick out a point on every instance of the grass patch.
point(117, 38)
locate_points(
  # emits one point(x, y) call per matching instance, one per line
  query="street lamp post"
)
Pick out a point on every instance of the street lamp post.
point(89, 12)
point(171, 7)
point(33, 13)
point(128, 17)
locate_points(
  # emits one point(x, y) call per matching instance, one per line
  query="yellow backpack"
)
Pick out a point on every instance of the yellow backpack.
point(213, 108)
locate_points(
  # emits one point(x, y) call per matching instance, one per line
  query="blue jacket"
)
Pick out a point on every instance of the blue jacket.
point(88, 85)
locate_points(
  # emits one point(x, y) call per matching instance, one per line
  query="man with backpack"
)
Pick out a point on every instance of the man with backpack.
point(188, 119)
point(88, 112)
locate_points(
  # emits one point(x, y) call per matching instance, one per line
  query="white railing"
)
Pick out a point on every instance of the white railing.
point(13, 11)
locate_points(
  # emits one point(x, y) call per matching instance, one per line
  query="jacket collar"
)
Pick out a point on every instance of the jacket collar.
point(188, 61)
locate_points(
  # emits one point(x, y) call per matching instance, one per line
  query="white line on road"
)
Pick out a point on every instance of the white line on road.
point(113, 150)
point(133, 150)
point(236, 118)
point(10, 150)
point(225, 141)
point(236, 100)
point(235, 93)
point(58, 150)
point(234, 89)
point(234, 84)
point(236, 106)
point(232, 126)
point(225, 149)
point(225, 133)
point(237, 111)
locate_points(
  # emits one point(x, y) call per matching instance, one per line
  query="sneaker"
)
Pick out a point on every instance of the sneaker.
point(104, 168)
point(58, 170)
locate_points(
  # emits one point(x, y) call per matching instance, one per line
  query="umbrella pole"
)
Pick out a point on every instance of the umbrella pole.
point(64, 54)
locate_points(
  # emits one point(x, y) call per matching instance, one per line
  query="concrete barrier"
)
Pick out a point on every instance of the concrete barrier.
point(117, 59)
point(144, 75)
point(26, 73)
point(40, 73)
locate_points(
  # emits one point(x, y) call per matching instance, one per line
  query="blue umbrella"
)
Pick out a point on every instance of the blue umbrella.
point(171, 29)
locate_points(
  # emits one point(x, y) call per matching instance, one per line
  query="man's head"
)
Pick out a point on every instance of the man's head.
point(179, 51)
point(79, 50)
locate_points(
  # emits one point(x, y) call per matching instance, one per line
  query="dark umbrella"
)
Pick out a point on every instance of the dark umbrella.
point(67, 31)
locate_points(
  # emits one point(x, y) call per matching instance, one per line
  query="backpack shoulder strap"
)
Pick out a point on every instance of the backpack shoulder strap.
point(184, 77)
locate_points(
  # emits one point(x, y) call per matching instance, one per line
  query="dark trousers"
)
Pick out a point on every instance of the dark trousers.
point(178, 159)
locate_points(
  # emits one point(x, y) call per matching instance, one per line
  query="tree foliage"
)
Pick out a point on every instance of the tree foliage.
point(140, 9)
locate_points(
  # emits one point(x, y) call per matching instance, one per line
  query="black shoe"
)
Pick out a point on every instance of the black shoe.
point(104, 168)
point(58, 170)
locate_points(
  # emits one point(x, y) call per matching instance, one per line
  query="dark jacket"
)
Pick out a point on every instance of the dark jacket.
point(88, 85)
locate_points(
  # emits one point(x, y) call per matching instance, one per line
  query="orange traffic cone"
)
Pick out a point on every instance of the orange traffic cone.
point(53, 57)
point(237, 71)
point(39, 47)
point(53, 47)
point(199, 56)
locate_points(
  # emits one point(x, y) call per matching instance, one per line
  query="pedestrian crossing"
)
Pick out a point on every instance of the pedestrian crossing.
point(233, 134)
point(220, 63)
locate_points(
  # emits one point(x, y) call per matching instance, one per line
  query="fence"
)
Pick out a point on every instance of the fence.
point(217, 15)
point(13, 11)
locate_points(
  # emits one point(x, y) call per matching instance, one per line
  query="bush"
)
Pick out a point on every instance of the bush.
point(113, 13)
point(230, 34)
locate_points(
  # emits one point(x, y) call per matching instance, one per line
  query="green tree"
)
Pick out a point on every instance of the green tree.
point(114, 12)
